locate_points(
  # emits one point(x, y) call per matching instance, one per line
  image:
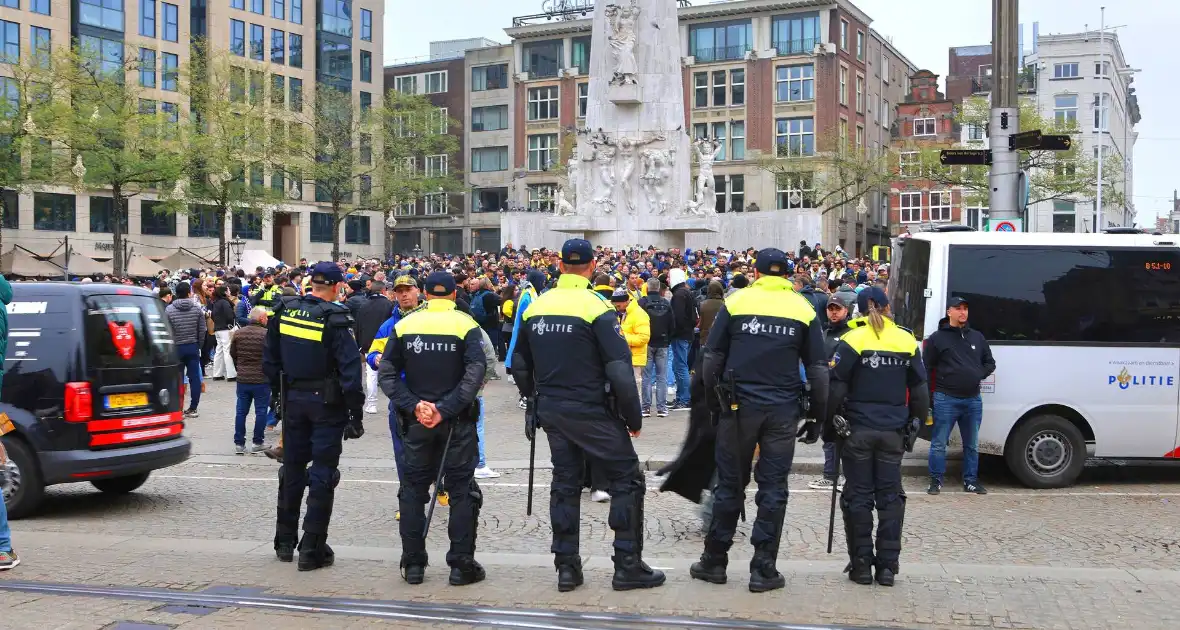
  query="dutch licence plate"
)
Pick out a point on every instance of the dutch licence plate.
point(123, 401)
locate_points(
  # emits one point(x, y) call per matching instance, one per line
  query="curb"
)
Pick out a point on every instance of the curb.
point(910, 466)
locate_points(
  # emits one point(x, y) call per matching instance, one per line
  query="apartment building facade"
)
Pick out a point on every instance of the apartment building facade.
point(764, 77)
point(286, 47)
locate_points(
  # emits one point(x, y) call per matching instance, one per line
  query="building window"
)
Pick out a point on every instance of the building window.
point(860, 45)
point(795, 136)
point(41, 45)
point(258, 6)
point(736, 192)
point(102, 215)
point(39, 6)
point(795, 191)
point(795, 83)
point(297, 11)
point(366, 25)
point(405, 209)
point(719, 88)
point(700, 89)
point(581, 55)
point(356, 229)
point(489, 159)
point(489, 78)
point(925, 127)
point(202, 221)
point(843, 34)
point(909, 164)
point(295, 97)
point(842, 133)
point(1101, 69)
point(237, 4)
point(366, 66)
point(168, 71)
point(436, 165)
point(543, 103)
point(171, 23)
point(543, 150)
point(9, 42)
point(720, 41)
point(583, 99)
point(295, 57)
point(491, 118)
point(860, 94)
point(147, 68)
point(257, 85)
point(107, 53)
point(237, 84)
point(737, 140)
point(367, 104)
point(860, 137)
point(256, 42)
point(1065, 217)
point(237, 37)
point(1065, 70)
point(886, 113)
point(278, 46)
point(278, 93)
point(541, 197)
point(796, 34)
point(719, 135)
point(336, 17)
point(843, 85)
point(541, 60)
point(247, 225)
point(155, 223)
point(435, 82)
point(436, 203)
point(1101, 112)
point(321, 227)
point(53, 212)
point(490, 200)
point(911, 207)
point(737, 87)
point(974, 131)
point(277, 9)
point(1065, 110)
point(407, 84)
point(106, 14)
point(147, 18)
point(940, 206)
point(335, 59)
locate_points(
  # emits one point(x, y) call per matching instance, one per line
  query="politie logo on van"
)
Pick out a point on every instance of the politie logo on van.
point(1126, 380)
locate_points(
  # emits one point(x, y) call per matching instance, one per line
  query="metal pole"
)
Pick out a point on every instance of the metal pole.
point(1098, 129)
point(1005, 110)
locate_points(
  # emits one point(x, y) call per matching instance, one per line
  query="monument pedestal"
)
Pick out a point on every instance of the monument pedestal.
point(621, 231)
point(629, 94)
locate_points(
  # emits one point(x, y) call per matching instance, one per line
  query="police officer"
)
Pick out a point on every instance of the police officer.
point(756, 344)
point(873, 367)
point(568, 351)
point(310, 351)
point(440, 351)
point(267, 296)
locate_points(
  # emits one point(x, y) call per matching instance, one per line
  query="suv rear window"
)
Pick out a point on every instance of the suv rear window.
point(139, 320)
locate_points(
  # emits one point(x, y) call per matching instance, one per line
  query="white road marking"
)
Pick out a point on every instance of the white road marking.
point(500, 484)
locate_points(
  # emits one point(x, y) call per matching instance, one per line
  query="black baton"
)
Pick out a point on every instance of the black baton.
point(438, 482)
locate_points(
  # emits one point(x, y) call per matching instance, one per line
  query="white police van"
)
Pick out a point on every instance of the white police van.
point(1085, 330)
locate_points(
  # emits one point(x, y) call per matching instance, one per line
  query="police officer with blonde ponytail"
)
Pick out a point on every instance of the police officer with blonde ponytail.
point(873, 368)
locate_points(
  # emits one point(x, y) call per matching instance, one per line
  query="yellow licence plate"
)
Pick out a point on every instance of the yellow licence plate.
point(123, 401)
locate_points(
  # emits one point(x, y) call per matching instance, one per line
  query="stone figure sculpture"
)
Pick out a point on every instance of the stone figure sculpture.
point(626, 150)
point(622, 38)
point(561, 206)
point(573, 169)
point(604, 157)
point(657, 168)
point(706, 197)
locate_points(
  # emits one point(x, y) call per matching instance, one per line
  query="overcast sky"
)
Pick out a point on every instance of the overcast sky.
point(1149, 25)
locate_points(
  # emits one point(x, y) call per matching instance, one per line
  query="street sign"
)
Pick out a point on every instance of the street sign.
point(1025, 140)
point(1005, 225)
point(1056, 143)
point(965, 157)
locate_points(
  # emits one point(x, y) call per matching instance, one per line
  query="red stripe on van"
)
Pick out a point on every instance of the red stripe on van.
point(129, 437)
point(137, 422)
point(1174, 454)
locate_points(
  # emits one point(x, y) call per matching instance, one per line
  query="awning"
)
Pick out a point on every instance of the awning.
point(81, 265)
point(140, 267)
point(183, 259)
point(19, 262)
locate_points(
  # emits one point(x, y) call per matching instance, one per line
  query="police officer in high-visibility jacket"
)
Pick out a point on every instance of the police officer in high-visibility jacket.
point(267, 296)
point(570, 354)
point(310, 352)
point(875, 365)
point(440, 351)
point(753, 354)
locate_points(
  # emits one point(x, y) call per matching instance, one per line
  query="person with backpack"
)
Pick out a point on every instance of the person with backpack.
point(485, 309)
point(662, 323)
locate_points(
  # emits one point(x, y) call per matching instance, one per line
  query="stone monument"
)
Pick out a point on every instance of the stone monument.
point(630, 175)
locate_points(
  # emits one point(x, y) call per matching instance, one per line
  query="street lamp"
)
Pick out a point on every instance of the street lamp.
point(235, 247)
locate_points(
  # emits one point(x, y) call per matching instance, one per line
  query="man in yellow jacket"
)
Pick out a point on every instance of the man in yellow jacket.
point(635, 325)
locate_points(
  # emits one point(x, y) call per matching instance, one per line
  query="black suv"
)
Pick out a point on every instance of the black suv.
point(93, 385)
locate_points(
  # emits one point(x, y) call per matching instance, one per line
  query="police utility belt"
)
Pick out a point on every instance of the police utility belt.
point(333, 392)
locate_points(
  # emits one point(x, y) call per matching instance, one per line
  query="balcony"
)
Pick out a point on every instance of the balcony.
point(796, 46)
point(542, 70)
point(726, 53)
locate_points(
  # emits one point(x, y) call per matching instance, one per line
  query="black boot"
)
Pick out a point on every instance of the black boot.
point(467, 571)
point(861, 571)
point(631, 572)
point(314, 552)
point(569, 573)
point(413, 567)
point(711, 568)
point(764, 576)
point(885, 575)
point(285, 548)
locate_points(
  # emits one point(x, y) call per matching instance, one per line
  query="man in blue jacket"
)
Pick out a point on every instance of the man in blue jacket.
point(529, 290)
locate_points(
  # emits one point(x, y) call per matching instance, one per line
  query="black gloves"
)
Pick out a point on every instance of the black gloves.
point(810, 430)
point(530, 421)
point(356, 423)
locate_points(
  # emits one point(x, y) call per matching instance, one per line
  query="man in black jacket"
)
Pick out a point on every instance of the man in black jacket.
point(372, 313)
point(957, 358)
point(818, 299)
point(684, 313)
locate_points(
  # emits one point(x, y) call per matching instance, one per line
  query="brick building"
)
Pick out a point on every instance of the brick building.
point(925, 119)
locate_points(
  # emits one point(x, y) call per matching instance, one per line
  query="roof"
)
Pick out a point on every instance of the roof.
point(84, 288)
point(972, 51)
point(1048, 239)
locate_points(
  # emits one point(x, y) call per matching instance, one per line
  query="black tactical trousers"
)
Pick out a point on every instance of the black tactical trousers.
point(773, 432)
point(575, 433)
point(423, 453)
point(872, 472)
point(312, 433)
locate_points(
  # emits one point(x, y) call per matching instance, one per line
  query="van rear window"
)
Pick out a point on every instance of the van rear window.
point(127, 331)
point(909, 277)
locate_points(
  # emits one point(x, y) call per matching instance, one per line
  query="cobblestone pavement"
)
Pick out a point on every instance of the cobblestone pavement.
point(1105, 554)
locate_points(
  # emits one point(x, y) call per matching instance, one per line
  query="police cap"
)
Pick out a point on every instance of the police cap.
point(577, 251)
point(326, 272)
point(440, 283)
point(772, 262)
point(876, 294)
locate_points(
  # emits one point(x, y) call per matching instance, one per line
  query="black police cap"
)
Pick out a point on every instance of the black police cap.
point(772, 262)
point(577, 251)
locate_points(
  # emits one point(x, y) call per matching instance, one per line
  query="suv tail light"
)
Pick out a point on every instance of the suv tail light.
point(79, 402)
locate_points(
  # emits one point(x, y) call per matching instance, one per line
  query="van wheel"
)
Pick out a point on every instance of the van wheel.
point(121, 485)
point(22, 486)
point(1046, 452)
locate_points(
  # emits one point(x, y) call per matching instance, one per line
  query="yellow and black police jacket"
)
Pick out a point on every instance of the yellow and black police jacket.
point(878, 371)
point(440, 351)
point(570, 347)
point(305, 337)
point(761, 334)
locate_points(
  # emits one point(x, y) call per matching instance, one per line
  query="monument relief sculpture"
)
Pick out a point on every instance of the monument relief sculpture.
point(622, 38)
point(657, 167)
point(626, 150)
point(604, 158)
point(561, 206)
